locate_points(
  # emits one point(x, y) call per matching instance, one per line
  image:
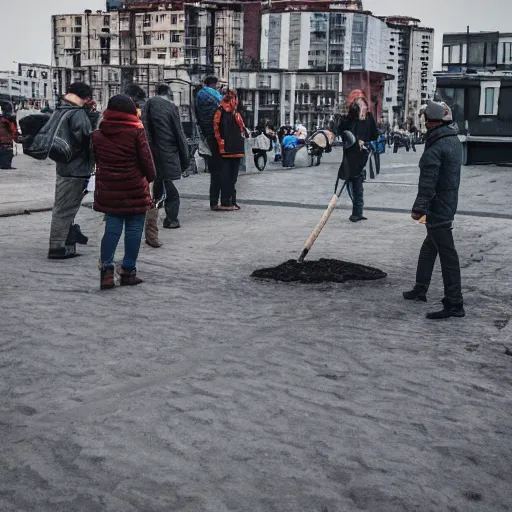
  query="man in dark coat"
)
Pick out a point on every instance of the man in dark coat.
point(438, 194)
point(72, 176)
point(170, 151)
point(207, 103)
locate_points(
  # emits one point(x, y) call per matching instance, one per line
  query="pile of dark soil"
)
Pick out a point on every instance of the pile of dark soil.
point(320, 271)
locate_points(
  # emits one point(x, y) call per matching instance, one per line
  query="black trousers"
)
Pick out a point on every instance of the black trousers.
point(229, 177)
point(215, 169)
point(356, 192)
point(440, 241)
point(172, 199)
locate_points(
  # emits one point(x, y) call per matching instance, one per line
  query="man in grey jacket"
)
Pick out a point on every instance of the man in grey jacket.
point(438, 193)
point(170, 150)
point(73, 176)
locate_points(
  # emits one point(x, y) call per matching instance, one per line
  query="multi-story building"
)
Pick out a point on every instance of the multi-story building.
point(147, 42)
point(411, 55)
point(480, 51)
point(310, 53)
point(31, 83)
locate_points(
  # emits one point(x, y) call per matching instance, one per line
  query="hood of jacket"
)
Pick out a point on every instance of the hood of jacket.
point(229, 102)
point(114, 121)
point(436, 134)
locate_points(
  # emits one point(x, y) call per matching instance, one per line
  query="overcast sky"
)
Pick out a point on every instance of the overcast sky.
point(26, 32)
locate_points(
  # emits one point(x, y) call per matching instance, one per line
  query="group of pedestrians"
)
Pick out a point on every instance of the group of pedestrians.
point(139, 150)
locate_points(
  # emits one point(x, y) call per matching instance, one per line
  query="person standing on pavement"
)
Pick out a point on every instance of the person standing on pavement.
point(8, 134)
point(362, 124)
point(170, 151)
point(124, 170)
point(207, 103)
point(438, 193)
point(72, 176)
point(138, 95)
point(230, 133)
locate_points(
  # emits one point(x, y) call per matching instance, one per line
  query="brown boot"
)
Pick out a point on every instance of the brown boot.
point(107, 279)
point(129, 278)
point(151, 229)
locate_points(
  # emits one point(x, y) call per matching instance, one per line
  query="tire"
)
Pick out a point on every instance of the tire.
point(464, 153)
point(260, 161)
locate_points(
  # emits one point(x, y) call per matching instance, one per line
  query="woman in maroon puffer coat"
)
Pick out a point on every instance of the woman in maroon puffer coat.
point(124, 170)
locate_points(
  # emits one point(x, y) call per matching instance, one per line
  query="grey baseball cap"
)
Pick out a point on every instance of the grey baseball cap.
point(438, 111)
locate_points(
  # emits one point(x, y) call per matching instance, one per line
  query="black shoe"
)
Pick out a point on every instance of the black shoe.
point(456, 312)
point(356, 218)
point(63, 253)
point(416, 294)
point(171, 224)
point(76, 236)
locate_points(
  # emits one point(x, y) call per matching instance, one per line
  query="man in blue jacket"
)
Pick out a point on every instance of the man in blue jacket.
point(438, 194)
point(207, 103)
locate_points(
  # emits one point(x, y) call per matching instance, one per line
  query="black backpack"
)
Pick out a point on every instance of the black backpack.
point(43, 138)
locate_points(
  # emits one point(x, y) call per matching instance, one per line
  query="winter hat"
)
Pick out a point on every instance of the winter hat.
point(438, 111)
point(122, 103)
point(354, 95)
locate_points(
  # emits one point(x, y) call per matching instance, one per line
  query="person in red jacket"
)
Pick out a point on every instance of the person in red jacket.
point(230, 132)
point(124, 170)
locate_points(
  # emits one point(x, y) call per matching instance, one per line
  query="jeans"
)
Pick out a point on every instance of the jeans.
point(230, 167)
point(133, 227)
point(6, 156)
point(172, 197)
point(440, 241)
point(356, 192)
point(215, 168)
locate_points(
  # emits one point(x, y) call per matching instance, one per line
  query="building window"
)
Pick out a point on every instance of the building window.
point(78, 21)
point(507, 53)
point(446, 54)
point(175, 53)
point(175, 37)
point(489, 98)
point(174, 19)
point(147, 39)
point(147, 20)
point(63, 30)
point(160, 36)
point(147, 54)
point(106, 21)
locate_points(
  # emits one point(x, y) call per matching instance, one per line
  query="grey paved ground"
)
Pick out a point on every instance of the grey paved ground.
point(203, 390)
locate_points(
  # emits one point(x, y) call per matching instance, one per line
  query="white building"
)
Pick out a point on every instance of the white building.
point(32, 83)
point(410, 56)
point(310, 60)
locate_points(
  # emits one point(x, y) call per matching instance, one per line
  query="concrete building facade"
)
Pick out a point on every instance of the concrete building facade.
point(147, 43)
point(411, 57)
point(311, 55)
point(32, 83)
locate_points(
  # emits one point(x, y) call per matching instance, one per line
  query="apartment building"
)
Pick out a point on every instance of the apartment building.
point(411, 55)
point(310, 54)
point(147, 43)
point(31, 83)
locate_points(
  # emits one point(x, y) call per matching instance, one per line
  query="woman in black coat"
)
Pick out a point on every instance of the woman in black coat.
point(362, 124)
